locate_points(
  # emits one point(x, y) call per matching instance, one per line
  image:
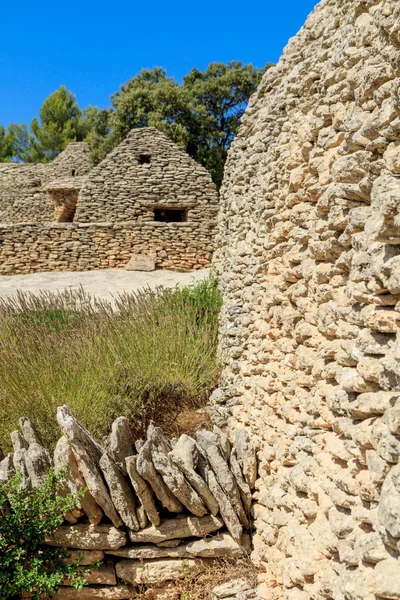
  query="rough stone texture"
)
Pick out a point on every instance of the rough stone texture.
point(177, 528)
point(157, 571)
point(120, 492)
point(143, 491)
point(87, 454)
point(37, 461)
point(64, 458)
point(219, 545)
point(102, 575)
point(88, 537)
point(113, 209)
point(84, 557)
point(308, 260)
point(120, 443)
point(29, 432)
point(185, 456)
point(23, 187)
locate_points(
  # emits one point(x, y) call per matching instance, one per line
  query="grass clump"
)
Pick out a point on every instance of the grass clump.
point(150, 355)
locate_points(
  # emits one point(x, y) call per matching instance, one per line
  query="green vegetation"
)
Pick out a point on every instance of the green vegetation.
point(27, 518)
point(202, 115)
point(150, 356)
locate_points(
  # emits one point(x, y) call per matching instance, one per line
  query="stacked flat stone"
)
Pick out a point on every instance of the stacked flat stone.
point(151, 509)
point(310, 273)
point(65, 217)
point(23, 187)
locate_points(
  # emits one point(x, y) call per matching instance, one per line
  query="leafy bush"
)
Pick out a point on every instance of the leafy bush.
point(26, 519)
point(148, 356)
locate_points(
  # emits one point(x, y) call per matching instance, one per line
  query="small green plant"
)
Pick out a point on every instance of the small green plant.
point(27, 518)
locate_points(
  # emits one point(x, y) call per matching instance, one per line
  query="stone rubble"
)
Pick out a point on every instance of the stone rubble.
point(308, 263)
point(188, 522)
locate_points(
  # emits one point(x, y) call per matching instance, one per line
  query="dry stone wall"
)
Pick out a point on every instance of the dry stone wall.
point(23, 187)
point(33, 247)
point(308, 259)
point(153, 511)
point(144, 172)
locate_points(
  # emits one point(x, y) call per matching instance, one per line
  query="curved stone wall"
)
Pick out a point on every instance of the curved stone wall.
point(309, 258)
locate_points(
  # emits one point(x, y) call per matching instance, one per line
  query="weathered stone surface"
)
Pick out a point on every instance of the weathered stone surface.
point(141, 516)
point(7, 469)
point(64, 458)
point(219, 545)
point(121, 494)
point(29, 432)
point(117, 592)
point(88, 537)
point(308, 264)
point(145, 468)
point(140, 262)
point(157, 571)
point(230, 589)
point(38, 461)
point(386, 579)
point(244, 489)
point(177, 528)
point(246, 457)
point(87, 453)
point(185, 456)
point(172, 476)
point(120, 443)
point(143, 491)
point(209, 444)
point(389, 504)
point(226, 509)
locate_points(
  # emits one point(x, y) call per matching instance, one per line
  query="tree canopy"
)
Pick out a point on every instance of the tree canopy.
point(202, 115)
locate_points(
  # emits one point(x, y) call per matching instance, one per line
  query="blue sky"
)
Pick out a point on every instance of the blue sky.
point(93, 47)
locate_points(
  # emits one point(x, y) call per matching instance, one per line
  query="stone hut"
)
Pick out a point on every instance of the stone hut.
point(146, 198)
point(308, 260)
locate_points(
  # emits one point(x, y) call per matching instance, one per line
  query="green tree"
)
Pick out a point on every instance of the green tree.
point(6, 145)
point(202, 115)
point(60, 122)
point(26, 519)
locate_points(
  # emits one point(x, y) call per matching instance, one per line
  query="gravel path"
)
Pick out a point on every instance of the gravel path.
point(102, 284)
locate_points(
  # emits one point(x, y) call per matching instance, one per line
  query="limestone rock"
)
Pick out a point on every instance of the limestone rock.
point(142, 490)
point(172, 476)
point(209, 444)
point(220, 545)
point(64, 458)
point(157, 571)
point(140, 262)
point(121, 494)
point(87, 453)
point(29, 432)
point(185, 456)
point(389, 504)
point(177, 528)
point(38, 462)
point(87, 537)
point(226, 509)
point(120, 443)
point(244, 489)
point(7, 469)
point(145, 468)
point(386, 578)
point(230, 589)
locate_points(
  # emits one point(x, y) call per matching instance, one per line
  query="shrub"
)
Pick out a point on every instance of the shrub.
point(26, 519)
point(149, 356)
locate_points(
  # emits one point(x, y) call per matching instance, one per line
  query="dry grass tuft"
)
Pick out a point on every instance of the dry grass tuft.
point(150, 357)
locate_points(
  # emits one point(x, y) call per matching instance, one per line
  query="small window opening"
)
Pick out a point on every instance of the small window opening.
point(170, 215)
point(73, 172)
point(144, 159)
